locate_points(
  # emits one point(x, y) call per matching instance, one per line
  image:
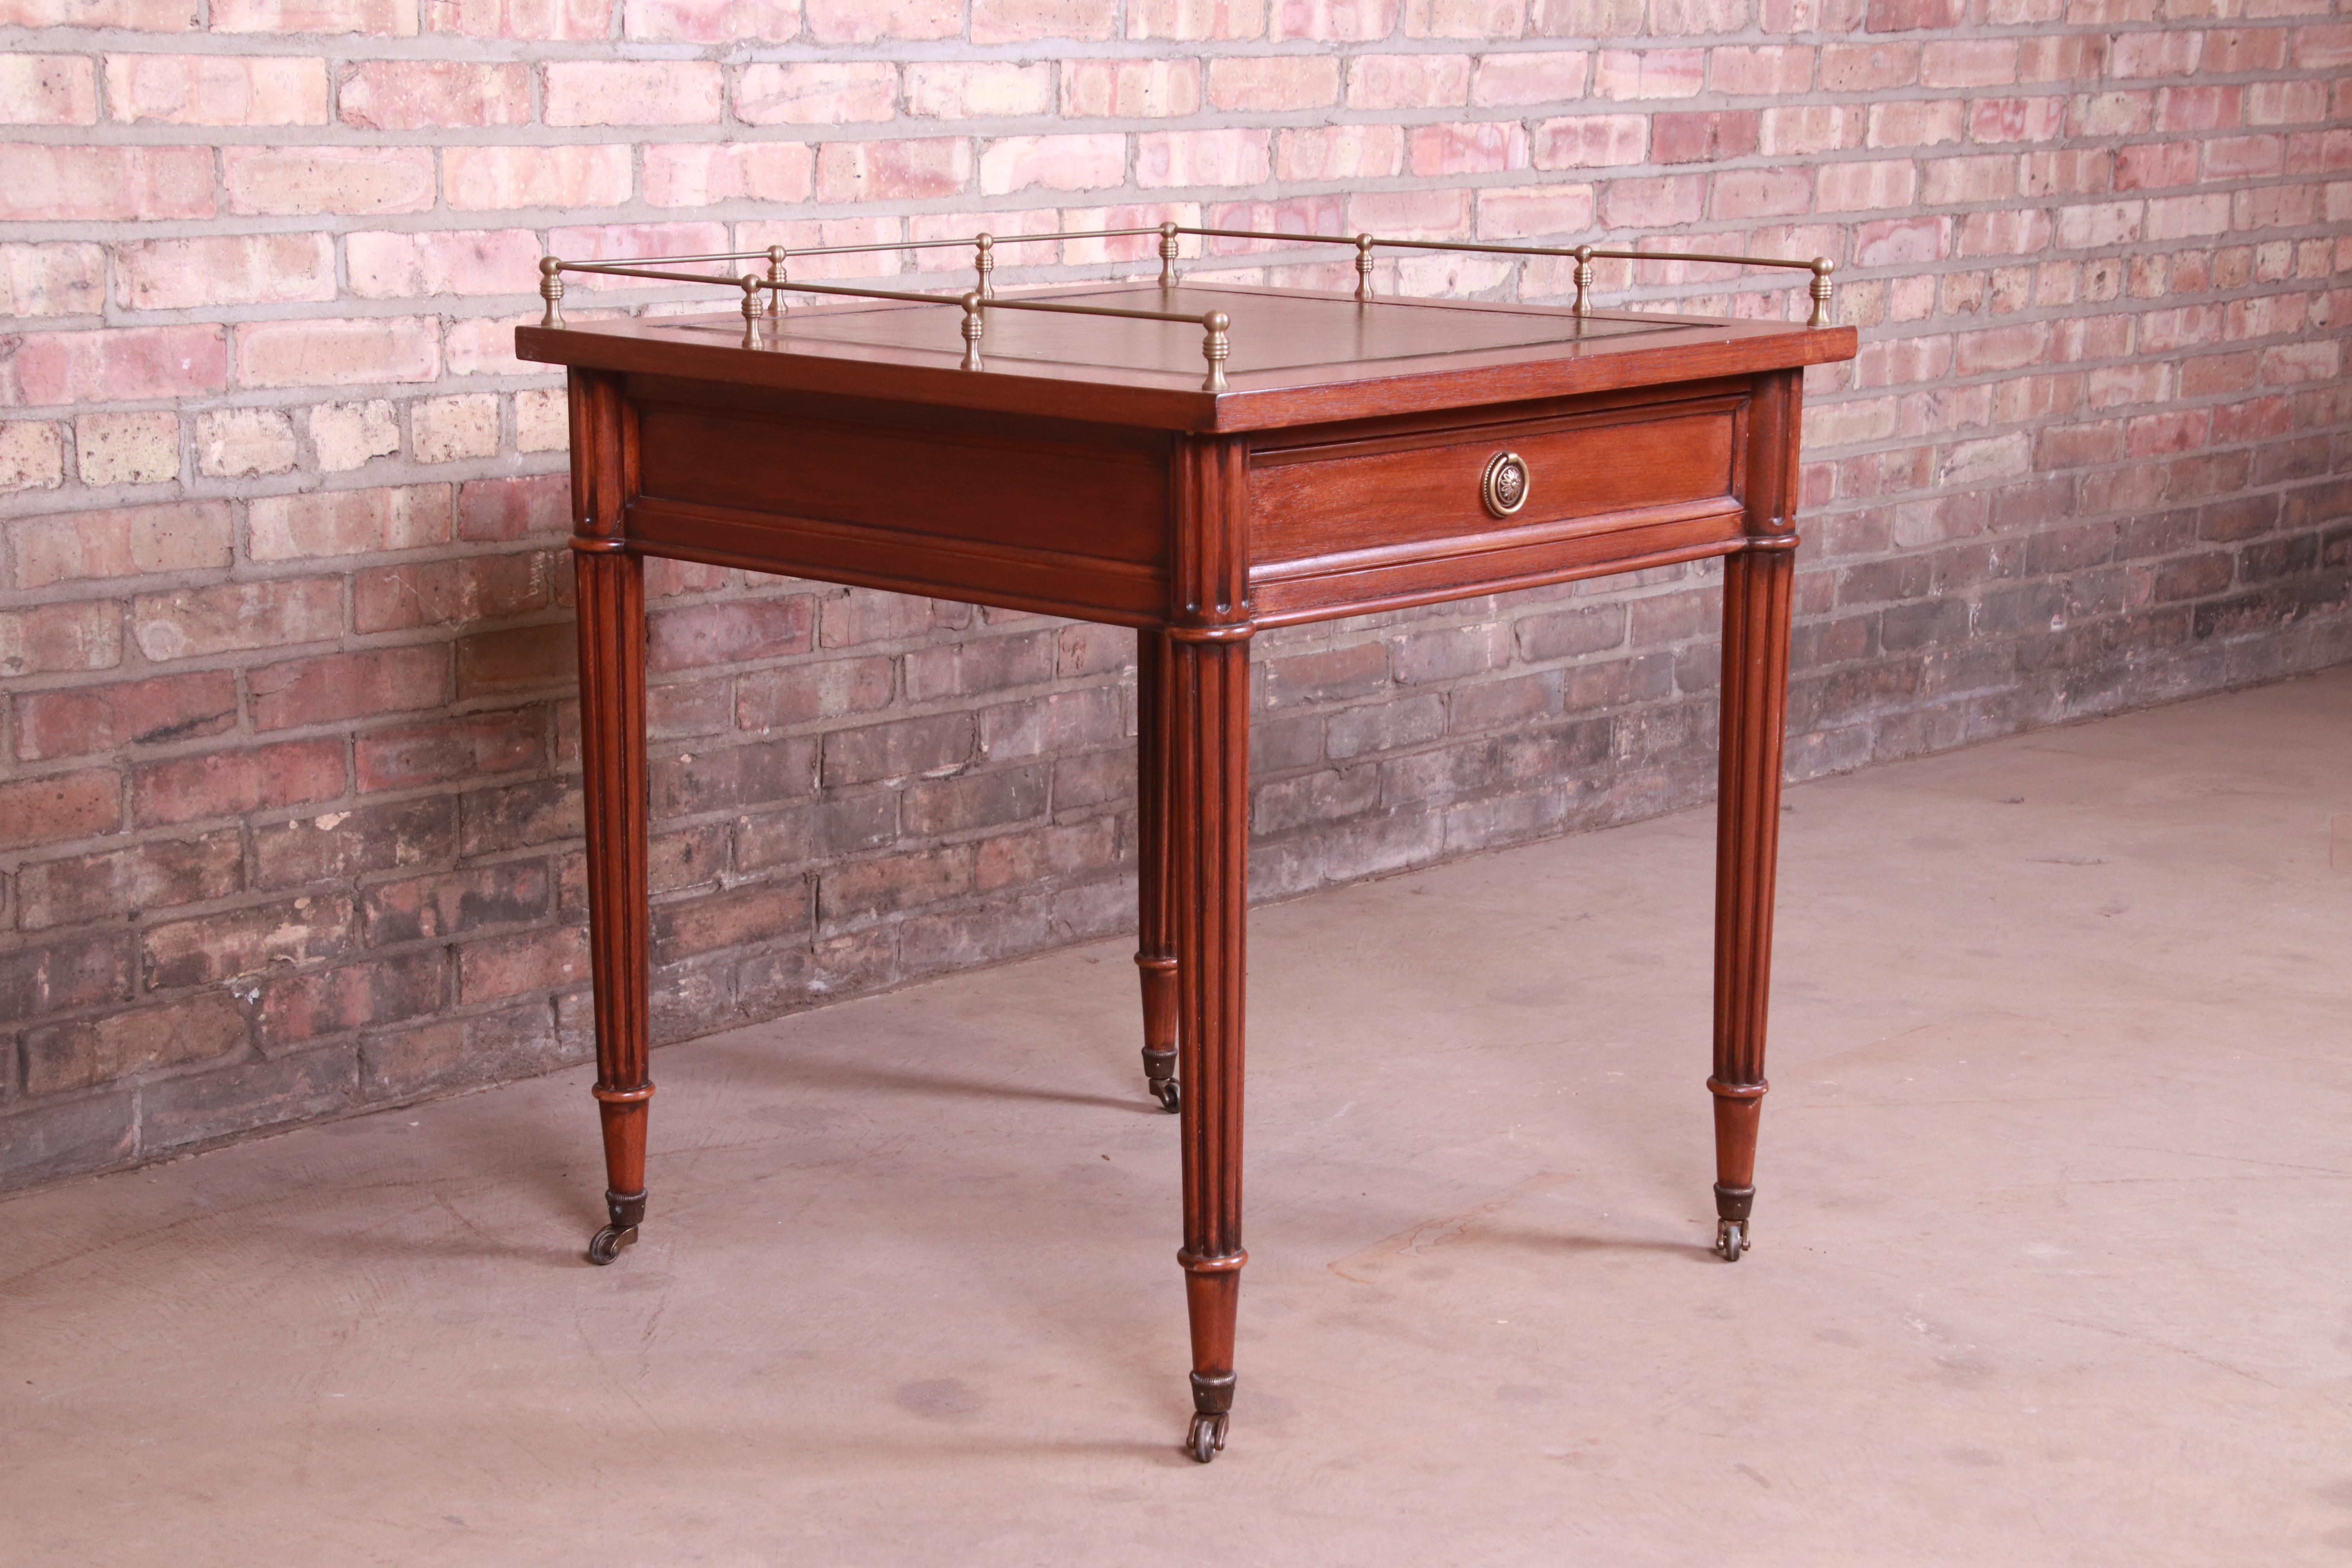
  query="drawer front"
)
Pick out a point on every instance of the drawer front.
point(1309, 503)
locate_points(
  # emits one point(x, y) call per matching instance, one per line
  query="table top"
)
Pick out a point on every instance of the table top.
point(1296, 356)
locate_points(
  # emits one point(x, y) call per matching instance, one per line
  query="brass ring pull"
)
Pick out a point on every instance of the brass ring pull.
point(1504, 488)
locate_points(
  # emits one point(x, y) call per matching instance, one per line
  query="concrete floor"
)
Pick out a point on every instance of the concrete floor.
point(2053, 1261)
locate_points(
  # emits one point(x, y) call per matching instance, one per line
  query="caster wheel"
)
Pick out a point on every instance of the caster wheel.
point(1170, 1095)
point(1731, 1238)
point(606, 1244)
point(1206, 1438)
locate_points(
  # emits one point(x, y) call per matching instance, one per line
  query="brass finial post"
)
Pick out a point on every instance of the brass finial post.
point(1168, 255)
point(1584, 280)
point(1216, 349)
point(751, 311)
point(1822, 268)
point(973, 327)
point(776, 254)
point(983, 262)
point(550, 289)
point(1363, 270)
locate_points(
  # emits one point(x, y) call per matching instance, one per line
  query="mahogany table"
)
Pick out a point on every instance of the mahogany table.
point(1360, 455)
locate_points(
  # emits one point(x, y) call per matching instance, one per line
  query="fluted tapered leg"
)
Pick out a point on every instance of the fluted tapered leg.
point(612, 595)
point(1155, 946)
point(1209, 697)
point(1756, 594)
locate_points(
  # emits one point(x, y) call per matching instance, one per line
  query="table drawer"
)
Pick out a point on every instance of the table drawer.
point(1375, 495)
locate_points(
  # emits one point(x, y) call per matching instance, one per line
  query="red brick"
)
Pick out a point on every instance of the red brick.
point(452, 903)
point(730, 632)
point(342, 686)
point(69, 971)
point(118, 883)
point(517, 965)
point(450, 592)
point(514, 508)
point(80, 721)
point(196, 622)
point(219, 947)
point(304, 1007)
point(524, 659)
point(76, 1055)
point(59, 807)
point(230, 783)
point(407, 756)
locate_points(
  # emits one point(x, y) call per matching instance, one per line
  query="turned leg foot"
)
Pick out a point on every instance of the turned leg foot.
point(1213, 1406)
point(628, 1212)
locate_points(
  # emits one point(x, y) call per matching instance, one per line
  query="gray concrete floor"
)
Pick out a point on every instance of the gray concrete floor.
point(2054, 1260)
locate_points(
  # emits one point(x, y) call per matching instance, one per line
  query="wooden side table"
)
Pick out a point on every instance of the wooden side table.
point(1066, 452)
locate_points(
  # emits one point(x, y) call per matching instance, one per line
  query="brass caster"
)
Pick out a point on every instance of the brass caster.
point(1170, 1095)
point(606, 1244)
point(1731, 1238)
point(1207, 1437)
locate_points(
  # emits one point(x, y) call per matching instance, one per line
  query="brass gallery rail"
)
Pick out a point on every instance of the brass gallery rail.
point(1215, 346)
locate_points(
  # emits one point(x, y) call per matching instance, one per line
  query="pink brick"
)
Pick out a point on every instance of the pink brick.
point(1201, 158)
point(1534, 212)
point(1344, 21)
point(2016, 232)
point(465, 261)
point(2073, 173)
point(1430, 82)
point(2099, 224)
point(1813, 128)
point(1480, 19)
point(1479, 147)
point(505, 509)
point(1591, 142)
point(1932, 123)
point(1299, 214)
point(216, 90)
point(1995, 120)
point(120, 541)
point(1868, 68)
point(696, 174)
point(416, 95)
point(2186, 217)
point(2275, 206)
point(81, 184)
point(338, 353)
point(1913, 16)
point(224, 270)
point(1649, 73)
point(540, 19)
point(1129, 89)
point(73, 638)
point(1653, 204)
point(2153, 165)
point(1761, 193)
point(1855, 187)
point(1024, 21)
point(2137, 56)
point(1952, 181)
point(52, 280)
point(633, 92)
point(868, 21)
point(623, 241)
point(386, 18)
point(1340, 153)
point(990, 90)
point(2065, 57)
point(1772, 70)
point(713, 21)
point(484, 179)
point(2244, 157)
point(819, 94)
point(830, 231)
point(1410, 214)
point(2326, 49)
point(1273, 84)
point(131, 16)
point(1013, 164)
point(1968, 62)
point(1710, 136)
point(1902, 242)
point(892, 170)
point(337, 687)
point(47, 90)
point(113, 365)
point(2179, 109)
point(293, 182)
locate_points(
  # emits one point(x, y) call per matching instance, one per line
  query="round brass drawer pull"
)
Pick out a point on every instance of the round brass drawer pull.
point(1504, 486)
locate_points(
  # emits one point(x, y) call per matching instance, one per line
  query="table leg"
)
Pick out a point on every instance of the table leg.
point(1208, 691)
point(1756, 593)
point(1155, 946)
point(612, 595)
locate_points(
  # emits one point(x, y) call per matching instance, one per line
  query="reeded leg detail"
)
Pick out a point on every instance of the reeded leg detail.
point(1210, 698)
point(1756, 596)
point(610, 582)
point(1155, 954)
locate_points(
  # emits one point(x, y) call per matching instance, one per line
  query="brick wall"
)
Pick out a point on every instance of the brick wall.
point(289, 802)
